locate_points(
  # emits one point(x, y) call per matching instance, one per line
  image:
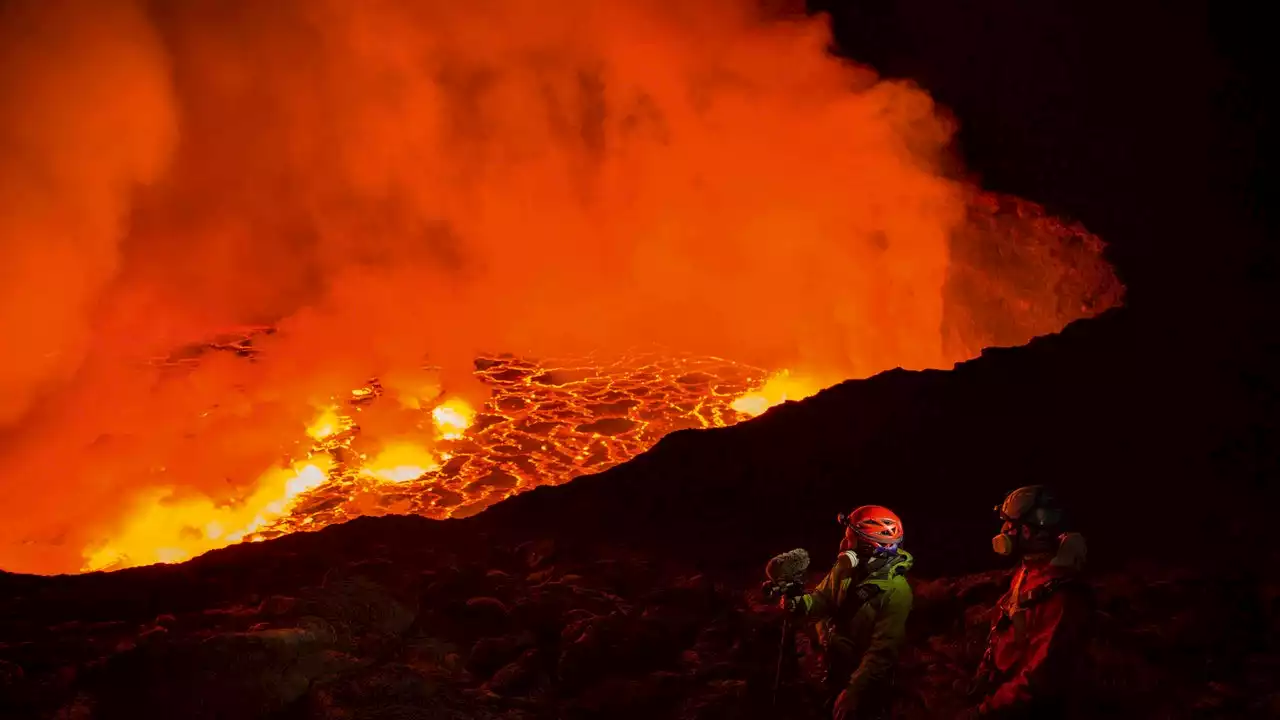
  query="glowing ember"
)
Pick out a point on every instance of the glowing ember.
point(166, 529)
point(453, 417)
point(544, 423)
point(329, 423)
point(400, 462)
point(779, 388)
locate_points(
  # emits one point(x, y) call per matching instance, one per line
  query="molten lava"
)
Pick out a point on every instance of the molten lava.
point(777, 389)
point(545, 423)
point(166, 529)
point(388, 184)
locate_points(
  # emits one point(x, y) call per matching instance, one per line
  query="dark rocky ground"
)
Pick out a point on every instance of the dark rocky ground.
point(377, 619)
point(485, 630)
point(631, 594)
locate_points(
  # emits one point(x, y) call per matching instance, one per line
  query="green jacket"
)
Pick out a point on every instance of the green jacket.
point(865, 639)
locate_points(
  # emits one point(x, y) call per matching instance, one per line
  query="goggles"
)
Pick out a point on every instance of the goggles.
point(1028, 506)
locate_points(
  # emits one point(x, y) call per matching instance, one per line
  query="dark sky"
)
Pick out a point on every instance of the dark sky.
point(1147, 121)
point(1142, 121)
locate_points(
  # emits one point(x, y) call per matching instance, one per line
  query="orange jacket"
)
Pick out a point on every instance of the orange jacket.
point(1036, 643)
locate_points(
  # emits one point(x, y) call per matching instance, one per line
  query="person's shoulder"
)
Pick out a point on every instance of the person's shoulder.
point(1073, 582)
point(1072, 592)
point(1078, 591)
point(898, 587)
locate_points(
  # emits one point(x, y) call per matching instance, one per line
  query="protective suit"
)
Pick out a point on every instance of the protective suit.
point(1037, 640)
point(861, 607)
point(1042, 624)
point(863, 621)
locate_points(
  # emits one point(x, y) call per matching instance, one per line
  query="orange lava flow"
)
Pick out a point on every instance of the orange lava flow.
point(545, 423)
point(391, 184)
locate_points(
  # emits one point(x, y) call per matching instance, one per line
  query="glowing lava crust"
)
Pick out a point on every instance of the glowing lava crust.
point(545, 423)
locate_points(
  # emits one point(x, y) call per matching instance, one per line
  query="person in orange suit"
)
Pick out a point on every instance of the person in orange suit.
point(1041, 627)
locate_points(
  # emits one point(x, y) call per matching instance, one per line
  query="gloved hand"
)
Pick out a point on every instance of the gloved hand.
point(844, 707)
point(790, 604)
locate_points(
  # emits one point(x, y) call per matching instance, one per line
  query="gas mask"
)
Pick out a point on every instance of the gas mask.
point(1014, 538)
point(1002, 544)
point(1070, 551)
point(1027, 513)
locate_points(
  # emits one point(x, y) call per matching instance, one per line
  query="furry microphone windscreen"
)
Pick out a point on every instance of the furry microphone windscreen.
point(790, 564)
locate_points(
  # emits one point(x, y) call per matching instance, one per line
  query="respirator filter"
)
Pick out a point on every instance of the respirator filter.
point(1002, 544)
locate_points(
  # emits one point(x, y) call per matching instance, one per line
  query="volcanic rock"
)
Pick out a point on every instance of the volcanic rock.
point(248, 675)
point(632, 593)
point(491, 653)
point(671, 647)
point(388, 690)
point(517, 677)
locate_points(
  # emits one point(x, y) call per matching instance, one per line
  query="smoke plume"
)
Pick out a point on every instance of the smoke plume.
point(390, 181)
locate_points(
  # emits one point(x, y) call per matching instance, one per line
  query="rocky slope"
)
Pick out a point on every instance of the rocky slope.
point(631, 594)
point(404, 618)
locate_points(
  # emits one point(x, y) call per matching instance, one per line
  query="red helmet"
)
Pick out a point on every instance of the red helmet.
point(873, 526)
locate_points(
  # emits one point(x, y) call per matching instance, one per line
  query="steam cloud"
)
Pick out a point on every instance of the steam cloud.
point(391, 181)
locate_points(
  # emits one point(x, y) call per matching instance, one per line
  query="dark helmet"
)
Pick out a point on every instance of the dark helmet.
point(1033, 505)
point(1032, 518)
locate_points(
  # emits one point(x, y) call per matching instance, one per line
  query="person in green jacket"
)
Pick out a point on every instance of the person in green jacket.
point(861, 608)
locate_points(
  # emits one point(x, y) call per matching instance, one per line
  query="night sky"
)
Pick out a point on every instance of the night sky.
point(1142, 122)
point(1147, 123)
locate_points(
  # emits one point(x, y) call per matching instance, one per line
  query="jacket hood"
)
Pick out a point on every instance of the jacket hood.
point(897, 565)
point(902, 563)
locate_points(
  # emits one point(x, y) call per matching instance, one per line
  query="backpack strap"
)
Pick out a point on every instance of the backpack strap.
point(986, 666)
point(859, 595)
point(854, 600)
point(1035, 596)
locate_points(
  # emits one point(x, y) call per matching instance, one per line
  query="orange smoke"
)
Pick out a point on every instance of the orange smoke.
point(388, 183)
point(85, 115)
